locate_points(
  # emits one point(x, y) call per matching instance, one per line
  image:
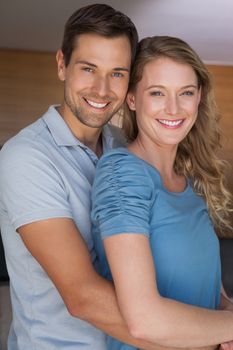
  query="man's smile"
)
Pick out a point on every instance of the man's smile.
point(96, 104)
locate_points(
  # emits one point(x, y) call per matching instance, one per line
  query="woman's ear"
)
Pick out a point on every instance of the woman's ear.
point(131, 101)
point(60, 65)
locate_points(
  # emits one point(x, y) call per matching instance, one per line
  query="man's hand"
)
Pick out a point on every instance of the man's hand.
point(227, 346)
point(226, 304)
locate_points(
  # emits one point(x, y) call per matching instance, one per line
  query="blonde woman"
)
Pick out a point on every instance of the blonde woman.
point(157, 204)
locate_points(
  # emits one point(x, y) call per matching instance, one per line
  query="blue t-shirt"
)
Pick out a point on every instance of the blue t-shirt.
point(129, 196)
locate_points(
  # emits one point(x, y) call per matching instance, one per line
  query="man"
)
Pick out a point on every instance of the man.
point(46, 173)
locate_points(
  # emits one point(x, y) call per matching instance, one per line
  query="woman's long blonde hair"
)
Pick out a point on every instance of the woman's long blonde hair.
point(197, 155)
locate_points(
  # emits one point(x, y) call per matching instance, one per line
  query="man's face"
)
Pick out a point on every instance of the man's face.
point(96, 78)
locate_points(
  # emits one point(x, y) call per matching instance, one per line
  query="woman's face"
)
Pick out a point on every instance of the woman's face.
point(166, 101)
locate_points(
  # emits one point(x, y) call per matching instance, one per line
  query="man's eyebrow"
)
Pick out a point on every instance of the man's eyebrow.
point(95, 66)
point(121, 69)
point(87, 63)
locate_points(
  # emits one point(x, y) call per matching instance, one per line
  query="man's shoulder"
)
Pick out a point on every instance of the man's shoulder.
point(33, 137)
point(30, 134)
point(31, 143)
point(25, 139)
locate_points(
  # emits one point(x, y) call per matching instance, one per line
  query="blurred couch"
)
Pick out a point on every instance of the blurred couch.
point(3, 269)
point(226, 249)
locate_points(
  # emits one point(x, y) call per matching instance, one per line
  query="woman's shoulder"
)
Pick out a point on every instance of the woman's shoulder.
point(116, 153)
point(122, 163)
point(117, 157)
point(122, 159)
point(120, 175)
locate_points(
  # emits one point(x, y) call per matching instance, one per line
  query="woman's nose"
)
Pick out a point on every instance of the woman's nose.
point(172, 105)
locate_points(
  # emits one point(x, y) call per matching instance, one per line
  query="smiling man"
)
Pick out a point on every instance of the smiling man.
point(95, 84)
point(46, 174)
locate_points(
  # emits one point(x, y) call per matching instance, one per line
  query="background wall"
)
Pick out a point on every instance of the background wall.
point(29, 84)
point(223, 85)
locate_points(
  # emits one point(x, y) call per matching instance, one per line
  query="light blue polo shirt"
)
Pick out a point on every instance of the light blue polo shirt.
point(45, 172)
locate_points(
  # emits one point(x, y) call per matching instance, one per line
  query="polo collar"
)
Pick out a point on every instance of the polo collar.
point(62, 134)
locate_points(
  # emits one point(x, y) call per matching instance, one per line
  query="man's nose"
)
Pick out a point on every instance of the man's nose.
point(101, 86)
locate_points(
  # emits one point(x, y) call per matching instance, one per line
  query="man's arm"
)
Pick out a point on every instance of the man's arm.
point(60, 249)
point(31, 188)
point(226, 304)
point(225, 301)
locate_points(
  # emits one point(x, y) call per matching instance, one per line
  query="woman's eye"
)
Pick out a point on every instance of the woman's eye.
point(188, 93)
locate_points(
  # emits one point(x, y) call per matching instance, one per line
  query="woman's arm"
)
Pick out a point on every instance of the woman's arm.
point(150, 316)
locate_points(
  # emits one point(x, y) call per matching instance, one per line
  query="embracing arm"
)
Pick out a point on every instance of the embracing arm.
point(150, 316)
point(226, 304)
point(58, 246)
point(32, 187)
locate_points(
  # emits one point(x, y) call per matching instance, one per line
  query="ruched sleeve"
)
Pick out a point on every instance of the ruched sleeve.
point(122, 195)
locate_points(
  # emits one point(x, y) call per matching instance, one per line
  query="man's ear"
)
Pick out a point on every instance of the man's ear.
point(131, 101)
point(61, 68)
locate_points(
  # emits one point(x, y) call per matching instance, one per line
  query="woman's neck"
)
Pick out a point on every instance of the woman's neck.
point(162, 157)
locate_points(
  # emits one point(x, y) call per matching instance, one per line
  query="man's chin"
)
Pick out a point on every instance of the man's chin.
point(95, 121)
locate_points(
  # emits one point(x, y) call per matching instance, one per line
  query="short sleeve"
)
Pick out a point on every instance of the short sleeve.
point(121, 196)
point(31, 187)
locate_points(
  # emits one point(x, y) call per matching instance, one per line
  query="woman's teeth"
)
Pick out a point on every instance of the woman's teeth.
point(171, 122)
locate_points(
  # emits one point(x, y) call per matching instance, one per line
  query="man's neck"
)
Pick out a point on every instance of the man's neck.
point(90, 137)
point(97, 147)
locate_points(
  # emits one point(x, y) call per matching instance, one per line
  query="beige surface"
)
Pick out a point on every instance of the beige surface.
point(28, 85)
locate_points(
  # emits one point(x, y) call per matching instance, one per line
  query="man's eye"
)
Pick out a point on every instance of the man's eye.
point(156, 93)
point(88, 69)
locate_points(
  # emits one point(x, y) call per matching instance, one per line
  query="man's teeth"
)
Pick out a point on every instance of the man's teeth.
point(97, 105)
point(170, 122)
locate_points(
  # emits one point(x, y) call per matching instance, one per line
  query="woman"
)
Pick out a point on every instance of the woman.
point(156, 203)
